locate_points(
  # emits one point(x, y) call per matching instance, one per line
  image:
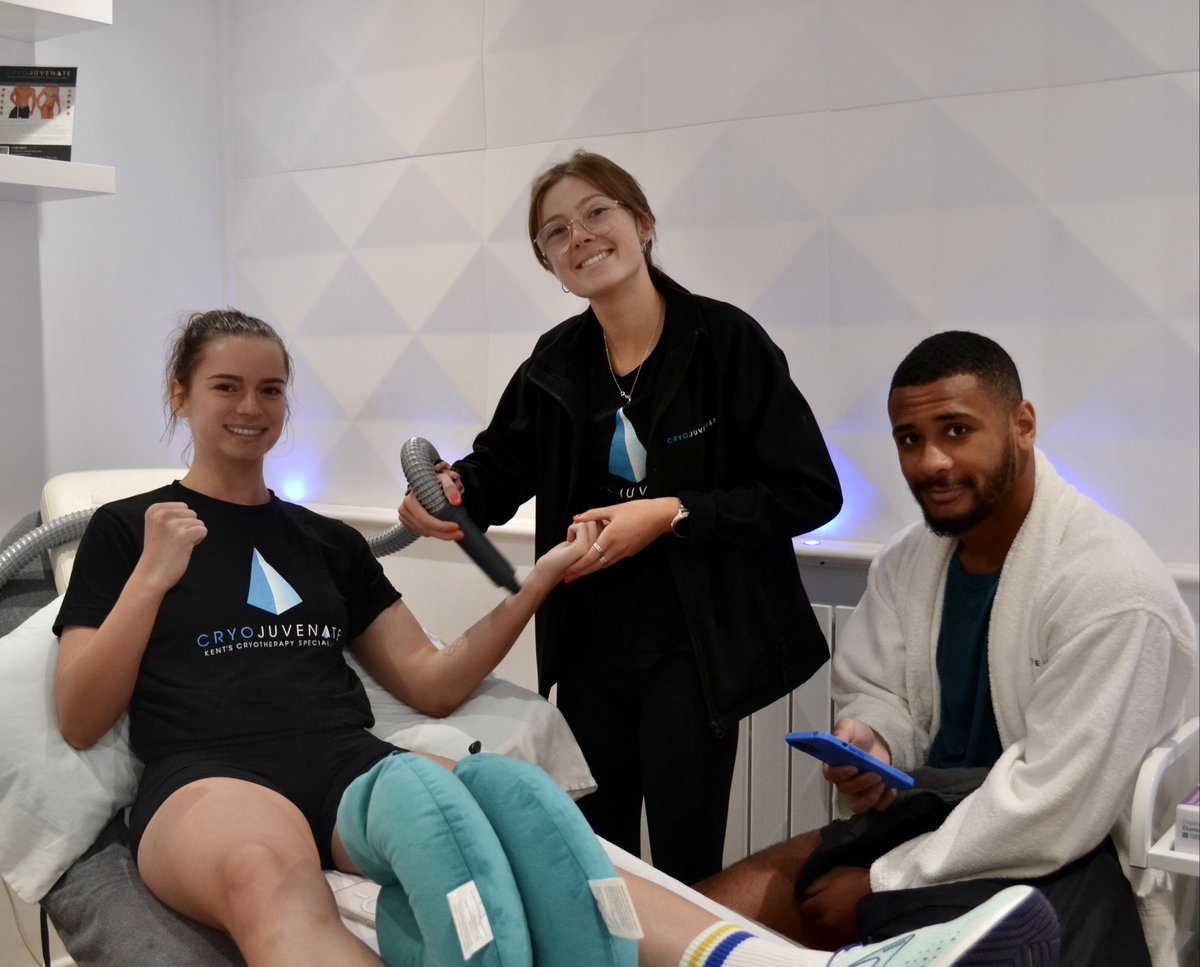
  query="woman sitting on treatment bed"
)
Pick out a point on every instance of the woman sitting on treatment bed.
point(250, 722)
point(217, 614)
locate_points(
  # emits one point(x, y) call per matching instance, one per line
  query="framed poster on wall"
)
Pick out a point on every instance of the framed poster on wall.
point(37, 111)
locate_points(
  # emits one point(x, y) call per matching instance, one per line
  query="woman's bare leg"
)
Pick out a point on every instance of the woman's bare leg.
point(671, 922)
point(240, 857)
point(341, 859)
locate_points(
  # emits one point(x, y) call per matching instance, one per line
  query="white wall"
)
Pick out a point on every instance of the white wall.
point(117, 272)
point(22, 430)
point(855, 174)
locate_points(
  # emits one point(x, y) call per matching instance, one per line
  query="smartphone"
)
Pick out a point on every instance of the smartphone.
point(835, 752)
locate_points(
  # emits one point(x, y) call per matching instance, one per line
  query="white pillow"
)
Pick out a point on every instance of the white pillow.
point(55, 800)
point(502, 717)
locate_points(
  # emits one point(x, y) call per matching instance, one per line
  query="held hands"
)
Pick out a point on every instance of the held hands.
point(863, 791)
point(558, 560)
point(626, 529)
point(172, 531)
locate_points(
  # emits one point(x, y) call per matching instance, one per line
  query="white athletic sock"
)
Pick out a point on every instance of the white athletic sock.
point(725, 945)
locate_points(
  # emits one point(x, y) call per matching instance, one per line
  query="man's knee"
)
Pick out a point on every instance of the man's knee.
point(763, 885)
point(787, 857)
point(773, 869)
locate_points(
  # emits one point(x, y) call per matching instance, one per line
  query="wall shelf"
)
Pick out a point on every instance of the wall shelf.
point(34, 20)
point(44, 179)
point(28, 179)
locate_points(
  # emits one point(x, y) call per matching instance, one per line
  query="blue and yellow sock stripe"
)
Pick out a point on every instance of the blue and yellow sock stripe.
point(717, 946)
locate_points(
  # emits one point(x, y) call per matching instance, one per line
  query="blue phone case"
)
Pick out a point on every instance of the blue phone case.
point(835, 752)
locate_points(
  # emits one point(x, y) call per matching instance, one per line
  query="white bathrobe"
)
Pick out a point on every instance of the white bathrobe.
point(1090, 652)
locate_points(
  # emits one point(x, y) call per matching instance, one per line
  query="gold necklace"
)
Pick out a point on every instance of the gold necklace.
point(628, 397)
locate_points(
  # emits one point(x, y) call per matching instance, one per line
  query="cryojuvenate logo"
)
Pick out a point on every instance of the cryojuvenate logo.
point(294, 634)
point(268, 590)
point(271, 593)
point(693, 433)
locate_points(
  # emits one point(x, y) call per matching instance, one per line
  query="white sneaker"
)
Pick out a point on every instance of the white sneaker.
point(1015, 928)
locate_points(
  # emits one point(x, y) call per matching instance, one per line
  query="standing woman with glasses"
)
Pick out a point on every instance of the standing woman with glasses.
point(669, 419)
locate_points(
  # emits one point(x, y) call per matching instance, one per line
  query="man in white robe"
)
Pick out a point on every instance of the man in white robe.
point(1023, 642)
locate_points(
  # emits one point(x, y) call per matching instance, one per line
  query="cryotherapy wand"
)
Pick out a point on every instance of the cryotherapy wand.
point(418, 458)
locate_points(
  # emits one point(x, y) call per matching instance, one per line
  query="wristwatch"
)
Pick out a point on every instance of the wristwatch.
point(679, 523)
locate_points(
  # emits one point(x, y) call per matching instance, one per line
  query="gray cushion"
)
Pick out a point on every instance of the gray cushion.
point(105, 915)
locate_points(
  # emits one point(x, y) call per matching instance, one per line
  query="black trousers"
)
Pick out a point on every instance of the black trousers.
point(645, 733)
point(1091, 895)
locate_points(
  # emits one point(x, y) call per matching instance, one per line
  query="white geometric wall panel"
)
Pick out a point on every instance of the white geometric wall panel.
point(888, 52)
point(317, 84)
point(856, 175)
point(564, 71)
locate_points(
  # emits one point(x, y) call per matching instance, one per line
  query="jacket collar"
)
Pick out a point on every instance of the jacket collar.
point(555, 362)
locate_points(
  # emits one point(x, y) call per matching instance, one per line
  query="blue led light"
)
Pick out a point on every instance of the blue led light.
point(294, 489)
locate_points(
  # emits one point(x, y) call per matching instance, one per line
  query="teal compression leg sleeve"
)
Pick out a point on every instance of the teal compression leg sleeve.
point(554, 855)
point(412, 826)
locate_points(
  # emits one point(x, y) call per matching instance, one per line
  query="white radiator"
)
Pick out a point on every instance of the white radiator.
point(778, 792)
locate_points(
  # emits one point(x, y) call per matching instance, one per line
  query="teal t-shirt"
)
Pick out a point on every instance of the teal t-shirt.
point(967, 734)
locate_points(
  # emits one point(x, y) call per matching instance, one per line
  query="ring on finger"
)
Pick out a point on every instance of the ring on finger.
point(598, 549)
point(603, 561)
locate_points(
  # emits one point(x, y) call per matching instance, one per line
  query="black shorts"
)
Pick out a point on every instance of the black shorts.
point(311, 771)
point(1091, 895)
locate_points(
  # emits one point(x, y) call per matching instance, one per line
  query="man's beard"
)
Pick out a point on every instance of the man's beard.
point(995, 489)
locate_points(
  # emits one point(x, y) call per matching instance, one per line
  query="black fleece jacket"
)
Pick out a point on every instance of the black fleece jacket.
point(733, 438)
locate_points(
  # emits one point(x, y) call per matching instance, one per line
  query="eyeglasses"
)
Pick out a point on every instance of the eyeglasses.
point(597, 218)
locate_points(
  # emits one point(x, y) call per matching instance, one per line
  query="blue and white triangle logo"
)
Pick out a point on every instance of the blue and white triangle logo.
point(626, 455)
point(268, 589)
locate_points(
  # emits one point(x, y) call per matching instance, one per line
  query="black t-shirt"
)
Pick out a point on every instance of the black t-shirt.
point(249, 642)
point(631, 610)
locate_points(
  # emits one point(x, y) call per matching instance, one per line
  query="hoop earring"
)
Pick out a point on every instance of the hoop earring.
point(565, 289)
